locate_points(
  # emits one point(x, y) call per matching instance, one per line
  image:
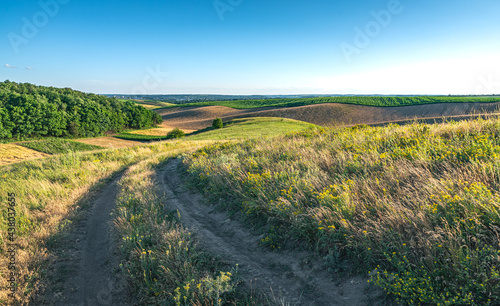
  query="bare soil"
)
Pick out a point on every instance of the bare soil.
point(84, 268)
point(328, 114)
point(286, 277)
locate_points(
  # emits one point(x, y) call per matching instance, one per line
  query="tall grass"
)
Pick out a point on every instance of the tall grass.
point(47, 192)
point(160, 257)
point(416, 208)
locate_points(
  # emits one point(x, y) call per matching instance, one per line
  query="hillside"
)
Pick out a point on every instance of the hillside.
point(412, 209)
point(356, 100)
point(28, 110)
point(415, 208)
point(328, 115)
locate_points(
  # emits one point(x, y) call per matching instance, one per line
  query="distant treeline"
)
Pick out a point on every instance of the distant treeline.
point(181, 99)
point(27, 110)
point(360, 100)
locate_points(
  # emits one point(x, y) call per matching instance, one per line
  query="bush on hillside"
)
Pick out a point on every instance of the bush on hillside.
point(175, 133)
point(217, 124)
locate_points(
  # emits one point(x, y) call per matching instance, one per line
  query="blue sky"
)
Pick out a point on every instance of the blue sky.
point(254, 46)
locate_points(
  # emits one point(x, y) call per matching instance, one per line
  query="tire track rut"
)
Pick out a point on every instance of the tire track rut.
point(90, 277)
point(293, 278)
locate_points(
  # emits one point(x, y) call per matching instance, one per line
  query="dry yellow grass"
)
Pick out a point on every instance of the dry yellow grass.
point(161, 131)
point(11, 153)
point(47, 192)
point(150, 106)
point(417, 205)
point(110, 142)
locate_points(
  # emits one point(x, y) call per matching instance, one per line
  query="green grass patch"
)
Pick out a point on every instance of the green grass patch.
point(152, 104)
point(359, 100)
point(138, 137)
point(250, 128)
point(247, 128)
point(58, 146)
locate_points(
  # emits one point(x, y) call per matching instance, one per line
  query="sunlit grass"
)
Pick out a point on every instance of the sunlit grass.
point(161, 131)
point(159, 257)
point(250, 128)
point(58, 146)
point(247, 128)
point(415, 207)
point(47, 192)
point(11, 153)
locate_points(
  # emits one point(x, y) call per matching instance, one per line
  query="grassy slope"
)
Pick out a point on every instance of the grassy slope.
point(237, 129)
point(253, 128)
point(47, 192)
point(372, 101)
point(418, 206)
point(58, 146)
point(420, 201)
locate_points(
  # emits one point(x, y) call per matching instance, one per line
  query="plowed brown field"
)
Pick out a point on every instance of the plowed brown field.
point(329, 115)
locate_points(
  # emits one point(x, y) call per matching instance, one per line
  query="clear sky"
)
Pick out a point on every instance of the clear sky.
point(253, 46)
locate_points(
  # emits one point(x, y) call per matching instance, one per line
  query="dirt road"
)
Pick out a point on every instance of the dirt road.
point(87, 263)
point(293, 278)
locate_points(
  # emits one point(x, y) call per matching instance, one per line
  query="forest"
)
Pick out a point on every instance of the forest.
point(28, 110)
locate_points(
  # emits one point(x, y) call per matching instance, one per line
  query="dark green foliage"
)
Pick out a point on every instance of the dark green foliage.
point(175, 133)
point(217, 124)
point(138, 137)
point(28, 110)
point(57, 145)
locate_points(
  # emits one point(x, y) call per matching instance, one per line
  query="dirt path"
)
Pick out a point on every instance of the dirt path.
point(296, 278)
point(87, 258)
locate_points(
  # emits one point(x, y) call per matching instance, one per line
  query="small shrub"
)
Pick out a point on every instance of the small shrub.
point(217, 124)
point(175, 133)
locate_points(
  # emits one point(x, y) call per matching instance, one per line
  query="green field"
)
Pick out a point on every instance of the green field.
point(58, 146)
point(359, 100)
point(150, 104)
point(237, 129)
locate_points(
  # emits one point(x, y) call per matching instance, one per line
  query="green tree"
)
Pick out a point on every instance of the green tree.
point(175, 133)
point(217, 124)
